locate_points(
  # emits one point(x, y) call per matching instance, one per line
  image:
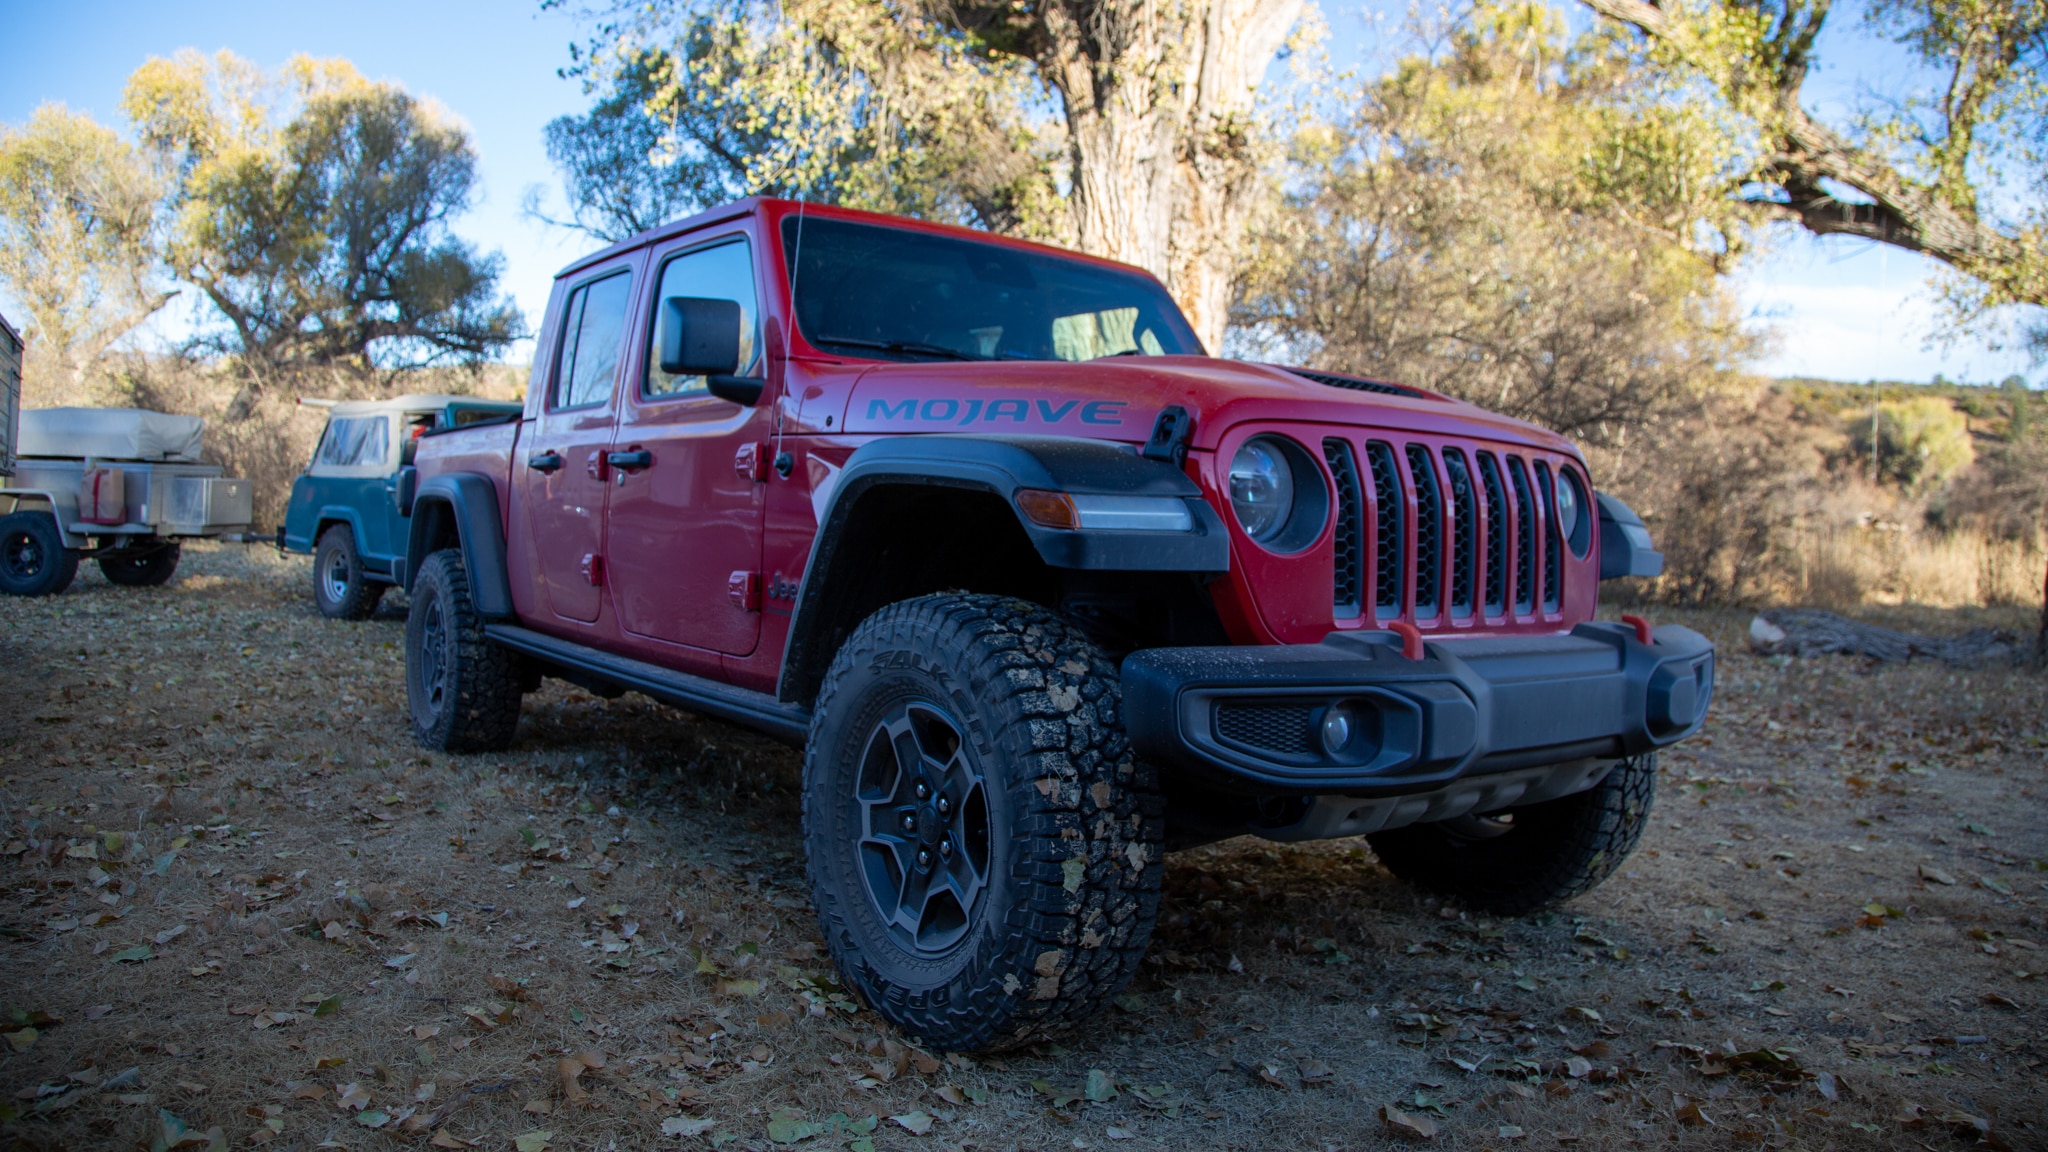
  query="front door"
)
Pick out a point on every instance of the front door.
point(563, 466)
point(684, 528)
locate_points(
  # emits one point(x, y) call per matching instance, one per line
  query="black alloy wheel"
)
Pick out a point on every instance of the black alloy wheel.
point(923, 811)
point(33, 558)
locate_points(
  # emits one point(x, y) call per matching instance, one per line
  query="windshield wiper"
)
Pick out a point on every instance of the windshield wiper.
point(914, 347)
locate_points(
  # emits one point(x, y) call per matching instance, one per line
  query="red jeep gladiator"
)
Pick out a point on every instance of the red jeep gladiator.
point(1042, 591)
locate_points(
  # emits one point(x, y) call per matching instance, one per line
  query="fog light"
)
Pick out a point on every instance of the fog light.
point(1338, 724)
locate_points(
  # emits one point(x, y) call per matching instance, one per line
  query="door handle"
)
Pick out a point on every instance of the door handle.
point(630, 461)
point(544, 461)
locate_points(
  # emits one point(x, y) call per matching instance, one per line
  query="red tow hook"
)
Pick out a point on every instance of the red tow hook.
point(1644, 632)
point(1411, 638)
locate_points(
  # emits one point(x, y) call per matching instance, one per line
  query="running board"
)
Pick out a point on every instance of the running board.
point(763, 713)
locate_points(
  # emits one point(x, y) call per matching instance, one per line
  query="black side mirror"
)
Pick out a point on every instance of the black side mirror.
point(700, 337)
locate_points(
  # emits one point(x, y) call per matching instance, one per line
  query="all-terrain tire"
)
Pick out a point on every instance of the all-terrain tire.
point(141, 568)
point(33, 558)
point(1539, 856)
point(341, 589)
point(462, 689)
point(1070, 830)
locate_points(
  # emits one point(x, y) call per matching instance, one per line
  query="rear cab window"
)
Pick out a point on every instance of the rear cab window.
point(593, 330)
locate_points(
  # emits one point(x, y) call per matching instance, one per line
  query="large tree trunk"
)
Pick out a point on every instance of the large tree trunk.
point(1158, 97)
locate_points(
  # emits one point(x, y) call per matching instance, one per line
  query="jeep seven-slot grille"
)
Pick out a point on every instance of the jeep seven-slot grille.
point(1429, 531)
point(1390, 516)
point(1349, 584)
point(1553, 550)
point(1282, 728)
point(1525, 537)
point(1464, 532)
point(1496, 535)
point(1442, 531)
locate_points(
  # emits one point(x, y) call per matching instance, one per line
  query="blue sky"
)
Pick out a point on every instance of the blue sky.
point(1844, 309)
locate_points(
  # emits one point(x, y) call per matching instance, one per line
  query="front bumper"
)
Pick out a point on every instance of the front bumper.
point(1251, 719)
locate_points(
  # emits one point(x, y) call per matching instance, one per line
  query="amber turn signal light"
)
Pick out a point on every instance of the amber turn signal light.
point(1048, 509)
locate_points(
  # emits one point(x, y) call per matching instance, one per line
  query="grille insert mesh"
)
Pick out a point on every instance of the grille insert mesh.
point(1525, 537)
point(1429, 531)
point(1390, 516)
point(1287, 729)
point(1464, 532)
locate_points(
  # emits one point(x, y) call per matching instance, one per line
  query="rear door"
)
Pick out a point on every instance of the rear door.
point(562, 467)
point(684, 529)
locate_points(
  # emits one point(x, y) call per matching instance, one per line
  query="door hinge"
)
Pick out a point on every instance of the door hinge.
point(744, 588)
point(751, 462)
point(593, 569)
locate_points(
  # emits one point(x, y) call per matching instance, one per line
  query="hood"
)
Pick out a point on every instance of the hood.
point(1120, 398)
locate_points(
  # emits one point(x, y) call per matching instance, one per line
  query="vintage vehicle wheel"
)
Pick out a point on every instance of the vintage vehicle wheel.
point(984, 850)
point(1527, 859)
point(463, 690)
point(141, 567)
point(340, 588)
point(33, 558)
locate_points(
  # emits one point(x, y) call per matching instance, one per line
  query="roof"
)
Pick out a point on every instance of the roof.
point(410, 402)
point(773, 209)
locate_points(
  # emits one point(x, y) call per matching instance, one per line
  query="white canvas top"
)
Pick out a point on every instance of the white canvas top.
point(110, 434)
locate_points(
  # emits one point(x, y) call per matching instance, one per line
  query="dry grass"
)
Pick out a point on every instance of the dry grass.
point(281, 842)
point(1846, 567)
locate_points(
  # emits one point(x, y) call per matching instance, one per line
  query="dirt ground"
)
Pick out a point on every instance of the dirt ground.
point(242, 908)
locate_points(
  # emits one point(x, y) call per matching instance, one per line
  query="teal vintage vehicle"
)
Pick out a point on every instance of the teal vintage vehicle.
point(345, 507)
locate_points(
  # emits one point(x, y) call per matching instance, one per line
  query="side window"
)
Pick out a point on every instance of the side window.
point(354, 441)
point(725, 272)
point(589, 358)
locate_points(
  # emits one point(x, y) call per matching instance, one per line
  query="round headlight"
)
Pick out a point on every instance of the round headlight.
point(1574, 513)
point(1261, 488)
point(1567, 508)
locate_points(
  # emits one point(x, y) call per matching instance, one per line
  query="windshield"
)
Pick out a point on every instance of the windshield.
point(895, 294)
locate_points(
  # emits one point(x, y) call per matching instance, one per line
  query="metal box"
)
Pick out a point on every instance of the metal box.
point(10, 395)
point(200, 502)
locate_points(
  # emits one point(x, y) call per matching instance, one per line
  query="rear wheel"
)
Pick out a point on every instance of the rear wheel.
point(984, 850)
point(462, 689)
point(1527, 859)
point(340, 588)
point(141, 567)
point(33, 558)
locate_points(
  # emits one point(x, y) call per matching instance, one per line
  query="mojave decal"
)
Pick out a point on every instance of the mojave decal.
point(913, 411)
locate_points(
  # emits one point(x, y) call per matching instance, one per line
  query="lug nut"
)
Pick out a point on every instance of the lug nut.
point(924, 857)
point(923, 790)
point(945, 806)
point(946, 847)
point(909, 822)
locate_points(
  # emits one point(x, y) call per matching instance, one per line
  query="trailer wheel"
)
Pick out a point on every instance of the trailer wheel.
point(141, 567)
point(33, 558)
point(340, 589)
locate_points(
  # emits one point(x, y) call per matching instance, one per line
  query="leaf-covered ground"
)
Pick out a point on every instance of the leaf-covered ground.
point(241, 908)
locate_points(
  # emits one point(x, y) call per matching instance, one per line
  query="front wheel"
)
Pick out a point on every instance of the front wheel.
point(141, 567)
point(984, 850)
point(1526, 859)
point(462, 689)
point(33, 558)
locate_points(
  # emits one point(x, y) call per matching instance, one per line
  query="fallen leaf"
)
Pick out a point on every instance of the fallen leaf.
point(1100, 1087)
point(1511, 1132)
point(918, 1123)
point(444, 1139)
point(532, 1141)
point(328, 1006)
point(426, 1031)
point(169, 934)
point(135, 955)
point(1403, 1124)
point(567, 1070)
point(1930, 872)
point(1116, 1133)
point(352, 1095)
point(684, 1126)
point(1314, 1073)
point(20, 1040)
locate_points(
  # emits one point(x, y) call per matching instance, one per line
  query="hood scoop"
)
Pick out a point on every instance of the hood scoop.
point(1356, 384)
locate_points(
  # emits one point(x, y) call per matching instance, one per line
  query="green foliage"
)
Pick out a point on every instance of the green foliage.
point(859, 102)
point(1921, 441)
point(1525, 220)
point(78, 239)
point(313, 209)
point(2019, 402)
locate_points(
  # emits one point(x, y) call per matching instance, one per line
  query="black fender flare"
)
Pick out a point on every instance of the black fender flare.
point(1002, 465)
point(1625, 545)
point(465, 503)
